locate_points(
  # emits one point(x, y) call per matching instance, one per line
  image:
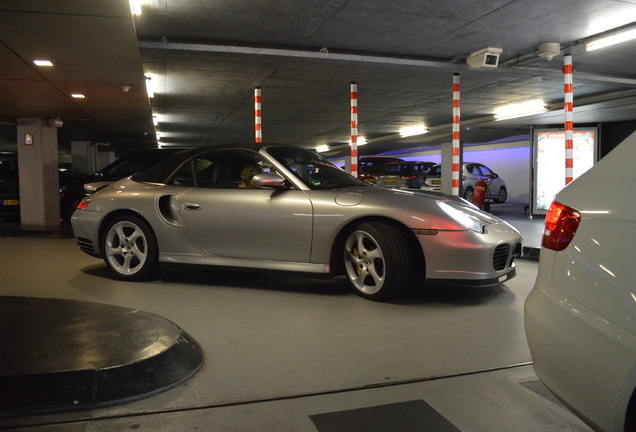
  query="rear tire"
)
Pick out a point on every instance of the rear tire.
point(502, 195)
point(130, 248)
point(468, 194)
point(377, 260)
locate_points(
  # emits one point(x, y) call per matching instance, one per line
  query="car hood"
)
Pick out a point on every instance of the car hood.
point(414, 208)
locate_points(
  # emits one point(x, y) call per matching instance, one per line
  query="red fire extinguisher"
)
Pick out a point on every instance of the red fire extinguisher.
point(479, 194)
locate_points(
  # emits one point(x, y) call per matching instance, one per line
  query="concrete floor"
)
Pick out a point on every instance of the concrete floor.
point(284, 352)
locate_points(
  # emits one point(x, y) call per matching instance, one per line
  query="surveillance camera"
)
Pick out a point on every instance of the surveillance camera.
point(487, 57)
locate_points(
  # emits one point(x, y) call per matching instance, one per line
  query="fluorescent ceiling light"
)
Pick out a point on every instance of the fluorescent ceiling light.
point(611, 40)
point(360, 141)
point(44, 63)
point(322, 148)
point(413, 130)
point(78, 96)
point(135, 7)
point(520, 110)
point(150, 85)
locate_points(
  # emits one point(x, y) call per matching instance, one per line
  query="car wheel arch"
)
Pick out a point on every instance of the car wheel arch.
point(110, 217)
point(129, 246)
point(337, 247)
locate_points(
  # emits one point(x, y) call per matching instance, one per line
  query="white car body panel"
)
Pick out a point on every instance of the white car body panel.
point(581, 314)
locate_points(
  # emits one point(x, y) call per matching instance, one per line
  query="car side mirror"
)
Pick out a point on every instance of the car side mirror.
point(269, 180)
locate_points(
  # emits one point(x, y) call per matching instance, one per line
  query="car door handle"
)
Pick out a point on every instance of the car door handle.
point(191, 206)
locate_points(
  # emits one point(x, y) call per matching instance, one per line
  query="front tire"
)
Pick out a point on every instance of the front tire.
point(468, 194)
point(130, 248)
point(377, 261)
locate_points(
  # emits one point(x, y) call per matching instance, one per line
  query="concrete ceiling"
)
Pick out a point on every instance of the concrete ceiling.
point(209, 55)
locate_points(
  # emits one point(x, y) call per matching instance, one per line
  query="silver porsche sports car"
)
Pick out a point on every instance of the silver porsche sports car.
point(287, 208)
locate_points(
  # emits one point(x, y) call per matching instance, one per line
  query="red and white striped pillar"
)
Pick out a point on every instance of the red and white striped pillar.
point(456, 134)
point(257, 115)
point(354, 130)
point(569, 119)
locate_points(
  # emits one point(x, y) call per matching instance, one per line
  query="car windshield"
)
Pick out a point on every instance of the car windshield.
point(394, 169)
point(370, 167)
point(312, 169)
point(436, 170)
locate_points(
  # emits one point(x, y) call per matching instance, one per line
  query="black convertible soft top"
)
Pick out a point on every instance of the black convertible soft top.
point(161, 172)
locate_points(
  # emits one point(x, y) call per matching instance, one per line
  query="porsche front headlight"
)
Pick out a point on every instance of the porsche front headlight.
point(465, 216)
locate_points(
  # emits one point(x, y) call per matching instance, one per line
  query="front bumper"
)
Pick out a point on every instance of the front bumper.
point(9, 206)
point(470, 258)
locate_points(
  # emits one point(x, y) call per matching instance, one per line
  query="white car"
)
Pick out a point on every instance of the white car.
point(472, 172)
point(580, 317)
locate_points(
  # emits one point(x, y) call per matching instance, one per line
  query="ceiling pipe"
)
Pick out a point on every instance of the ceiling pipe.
point(322, 54)
point(444, 65)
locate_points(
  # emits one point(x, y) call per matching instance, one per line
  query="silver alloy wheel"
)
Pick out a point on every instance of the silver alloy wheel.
point(502, 195)
point(364, 262)
point(468, 194)
point(126, 248)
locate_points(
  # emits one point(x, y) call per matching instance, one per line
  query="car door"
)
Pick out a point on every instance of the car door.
point(231, 220)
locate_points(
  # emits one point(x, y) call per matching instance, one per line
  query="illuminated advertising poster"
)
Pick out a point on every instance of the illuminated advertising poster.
point(549, 162)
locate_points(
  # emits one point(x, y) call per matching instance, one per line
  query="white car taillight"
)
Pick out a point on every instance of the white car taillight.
point(561, 223)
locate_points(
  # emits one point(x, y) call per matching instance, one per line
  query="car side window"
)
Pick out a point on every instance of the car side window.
point(221, 170)
point(485, 171)
point(184, 177)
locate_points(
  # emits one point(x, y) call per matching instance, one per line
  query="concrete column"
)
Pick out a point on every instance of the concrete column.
point(347, 161)
point(104, 158)
point(38, 169)
point(447, 168)
point(84, 157)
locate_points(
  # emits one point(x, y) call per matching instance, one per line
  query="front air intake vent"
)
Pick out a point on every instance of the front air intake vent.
point(86, 245)
point(500, 259)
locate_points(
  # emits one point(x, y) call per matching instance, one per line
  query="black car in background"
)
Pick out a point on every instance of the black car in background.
point(9, 187)
point(127, 165)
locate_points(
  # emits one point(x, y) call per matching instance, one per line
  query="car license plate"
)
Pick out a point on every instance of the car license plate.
point(436, 182)
point(10, 202)
point(390, 180)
